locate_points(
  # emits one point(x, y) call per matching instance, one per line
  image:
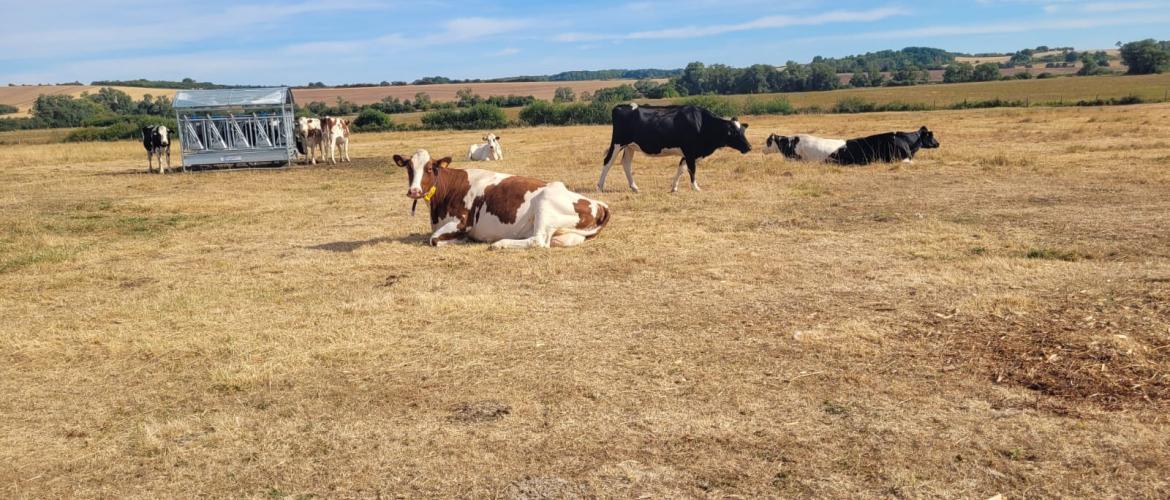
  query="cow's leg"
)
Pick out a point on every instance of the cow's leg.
point(149, 162)
point(614, 151)
point(345, 150)
point(682, 166)
point(691, 170)
point(567, 240)
point(628, 167)
point(448, 234)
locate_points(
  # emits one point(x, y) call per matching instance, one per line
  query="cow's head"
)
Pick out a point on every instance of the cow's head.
point(421, 172)
point(163, 134)
point(783, 145)
point(493, 142)
point(305, 125)
point(737, 136)
point(926, 139)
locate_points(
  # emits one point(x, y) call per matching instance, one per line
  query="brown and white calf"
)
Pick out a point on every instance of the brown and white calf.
point(309, 139)
point(507, 211)
point(336, 135)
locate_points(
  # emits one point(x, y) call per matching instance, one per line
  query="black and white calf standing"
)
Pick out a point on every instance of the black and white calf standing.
point(887, 147)
point(688, 131)
point(157, 141)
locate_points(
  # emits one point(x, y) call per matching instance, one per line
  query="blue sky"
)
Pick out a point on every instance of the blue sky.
point(295, 41)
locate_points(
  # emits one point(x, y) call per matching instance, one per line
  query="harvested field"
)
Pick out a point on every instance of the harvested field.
point(446, 92)
point(990, 320)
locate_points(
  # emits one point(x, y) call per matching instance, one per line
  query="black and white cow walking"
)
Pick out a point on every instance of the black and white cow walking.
point(688, 131)
point(157, 141)
point(888, 147)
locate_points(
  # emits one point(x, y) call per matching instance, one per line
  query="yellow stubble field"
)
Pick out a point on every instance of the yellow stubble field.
point(992, 319)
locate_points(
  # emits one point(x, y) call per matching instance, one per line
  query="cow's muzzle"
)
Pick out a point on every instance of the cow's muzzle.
point(414, 193)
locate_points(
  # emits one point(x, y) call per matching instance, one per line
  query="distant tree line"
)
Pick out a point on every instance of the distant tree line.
point(184, 84)
point(107, 114)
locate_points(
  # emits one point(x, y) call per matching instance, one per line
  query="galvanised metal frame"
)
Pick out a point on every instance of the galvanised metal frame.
point(237, 134)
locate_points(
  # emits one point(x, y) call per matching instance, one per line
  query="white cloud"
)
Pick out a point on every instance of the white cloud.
point(34, 41)
point(509, 51)
point(767, 22)
point(998, 28)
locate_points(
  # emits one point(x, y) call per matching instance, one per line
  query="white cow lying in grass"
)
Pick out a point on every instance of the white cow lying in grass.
point(803, 147)
point(486, 151)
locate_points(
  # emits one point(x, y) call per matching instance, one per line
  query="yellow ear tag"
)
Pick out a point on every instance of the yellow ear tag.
point(430, 194)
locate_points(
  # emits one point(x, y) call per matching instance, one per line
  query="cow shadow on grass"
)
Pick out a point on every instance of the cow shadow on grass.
point(352, 246)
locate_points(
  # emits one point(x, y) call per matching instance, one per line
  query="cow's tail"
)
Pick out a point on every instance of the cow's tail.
point(609, 154)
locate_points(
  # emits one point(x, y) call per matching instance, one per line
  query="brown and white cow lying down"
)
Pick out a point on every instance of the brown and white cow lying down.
point(507, 211)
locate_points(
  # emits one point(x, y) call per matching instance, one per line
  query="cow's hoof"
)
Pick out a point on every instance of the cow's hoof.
point(635, 189)
point(600, 188)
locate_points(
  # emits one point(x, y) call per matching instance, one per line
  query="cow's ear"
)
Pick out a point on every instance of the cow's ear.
point(443, 163)
point(744, 125)
point(400, 161)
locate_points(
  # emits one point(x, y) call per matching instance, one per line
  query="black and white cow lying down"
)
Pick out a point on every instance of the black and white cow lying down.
point(688, 131)
point(803, 147)
point(157, 141)
point(887, 147)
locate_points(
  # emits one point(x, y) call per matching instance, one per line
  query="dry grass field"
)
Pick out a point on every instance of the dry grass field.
point(993, 319)
point(446, 92)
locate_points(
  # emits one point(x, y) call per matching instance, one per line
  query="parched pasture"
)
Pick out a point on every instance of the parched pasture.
point(992, 319)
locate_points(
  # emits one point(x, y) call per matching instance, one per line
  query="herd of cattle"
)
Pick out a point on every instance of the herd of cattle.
point(511, 211)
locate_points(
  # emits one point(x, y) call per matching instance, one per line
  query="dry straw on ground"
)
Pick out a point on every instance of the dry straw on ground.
point(992, 319)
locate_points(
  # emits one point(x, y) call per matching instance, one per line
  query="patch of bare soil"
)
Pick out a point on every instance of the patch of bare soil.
point(1113, 353)
point(480, 411)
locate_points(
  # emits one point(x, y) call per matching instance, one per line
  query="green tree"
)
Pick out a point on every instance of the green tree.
point(65, 111)
point(1145, 57)
point(114, 100)
point(621, 93)
point(860, 79)
point(422, 101)
point(985, 72)
point(959, 72)
point(564, 94)
point(821, 76)
point(466, 98)
point(753, 80)
point(1021, 58)
point(691, 81)
point(373, 120)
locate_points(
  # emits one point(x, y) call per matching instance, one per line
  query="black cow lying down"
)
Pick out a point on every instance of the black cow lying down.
point(887, 147)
